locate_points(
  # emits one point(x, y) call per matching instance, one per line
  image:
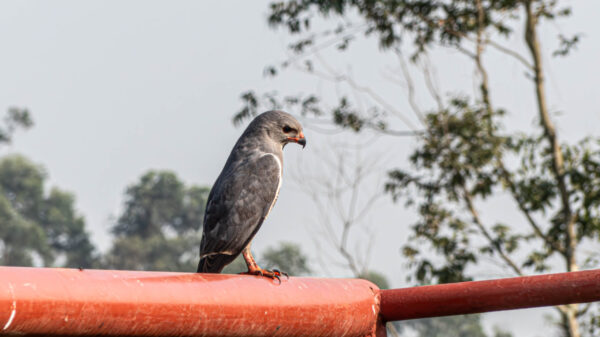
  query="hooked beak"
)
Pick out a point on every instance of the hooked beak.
point(300, 139)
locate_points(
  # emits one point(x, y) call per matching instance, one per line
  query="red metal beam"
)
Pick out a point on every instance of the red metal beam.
point(492, 295)
point(57, 301)
point(69, 301)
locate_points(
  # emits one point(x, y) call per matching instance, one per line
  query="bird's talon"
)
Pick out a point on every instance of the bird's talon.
point(273, 274)
point(281, 273)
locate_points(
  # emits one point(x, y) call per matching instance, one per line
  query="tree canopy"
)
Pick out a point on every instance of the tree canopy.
point(464, 157)
point(159, 226)
point(39, 227)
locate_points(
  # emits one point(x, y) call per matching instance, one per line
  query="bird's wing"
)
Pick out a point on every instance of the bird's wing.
point(238, 205)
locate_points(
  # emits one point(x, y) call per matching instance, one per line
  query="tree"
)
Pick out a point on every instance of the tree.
point(344, 200)
point(33, 225)
point(38, 226)
point(16, 118)
point(287, 257)
point(464, 158)
point(159, 226)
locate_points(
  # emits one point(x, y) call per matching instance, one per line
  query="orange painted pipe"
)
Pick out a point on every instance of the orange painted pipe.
point(48, 301)
point(492, 295)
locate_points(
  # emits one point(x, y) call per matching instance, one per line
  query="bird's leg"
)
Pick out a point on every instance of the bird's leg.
point(254, 269)
point(250, 262)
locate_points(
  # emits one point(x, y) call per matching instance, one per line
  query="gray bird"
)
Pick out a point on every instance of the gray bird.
point(246, 191)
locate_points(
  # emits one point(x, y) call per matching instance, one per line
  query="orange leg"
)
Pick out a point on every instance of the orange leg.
point(254, 269)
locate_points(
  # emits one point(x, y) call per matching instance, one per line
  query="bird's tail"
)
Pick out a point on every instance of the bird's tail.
point(214, 263)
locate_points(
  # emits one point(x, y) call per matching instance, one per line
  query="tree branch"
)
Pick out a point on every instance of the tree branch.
point(510, 52)
point(487, 101)
point(430, 83)
point(536, 228)
point(569, 315)
point(410, 85)
point(550, 133)
point(484, 87)
point(499, 47)
point(344, 193)
point(477, 220)
point(368, 91)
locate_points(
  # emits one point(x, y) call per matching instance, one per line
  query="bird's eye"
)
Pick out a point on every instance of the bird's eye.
point(287, 129)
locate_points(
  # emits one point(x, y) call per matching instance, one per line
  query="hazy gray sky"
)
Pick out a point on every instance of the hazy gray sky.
point(120, 87)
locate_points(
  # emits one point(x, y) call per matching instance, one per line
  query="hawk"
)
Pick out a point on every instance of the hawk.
point(245, 192)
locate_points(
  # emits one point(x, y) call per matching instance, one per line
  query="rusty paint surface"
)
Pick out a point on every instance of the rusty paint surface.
point(59, 301)
point(492, 295)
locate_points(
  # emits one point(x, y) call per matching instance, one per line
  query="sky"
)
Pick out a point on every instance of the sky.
point(120, 87)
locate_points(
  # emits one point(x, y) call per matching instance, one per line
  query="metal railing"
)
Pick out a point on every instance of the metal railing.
point(56, 301)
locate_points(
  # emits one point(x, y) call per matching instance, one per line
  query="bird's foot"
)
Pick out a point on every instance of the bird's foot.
point(273, 274)
point(281, 273)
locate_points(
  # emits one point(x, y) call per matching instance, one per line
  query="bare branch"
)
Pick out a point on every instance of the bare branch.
point(328, 43)
point(499, 47)
point(333, 76)
point(366, 90)
point(509, 262)
point(427, 69)
point(510, 52)
point(342, 204)
point(485, 92)
point(584, 310)
point(410, 85)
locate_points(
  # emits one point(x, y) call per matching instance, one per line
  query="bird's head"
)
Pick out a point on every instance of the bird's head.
point(282, 127)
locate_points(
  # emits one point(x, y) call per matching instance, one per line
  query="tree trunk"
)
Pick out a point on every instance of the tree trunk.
point(568, 312)
point(569, 321)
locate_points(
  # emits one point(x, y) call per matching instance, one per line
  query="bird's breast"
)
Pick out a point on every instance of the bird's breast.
point(278, 179)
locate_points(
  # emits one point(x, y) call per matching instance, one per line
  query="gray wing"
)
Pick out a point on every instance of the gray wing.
point(236, 208)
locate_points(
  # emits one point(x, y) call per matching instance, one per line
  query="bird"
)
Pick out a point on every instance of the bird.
point(245, 192)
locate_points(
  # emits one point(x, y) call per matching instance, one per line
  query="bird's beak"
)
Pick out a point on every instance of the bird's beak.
point(300, 139)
